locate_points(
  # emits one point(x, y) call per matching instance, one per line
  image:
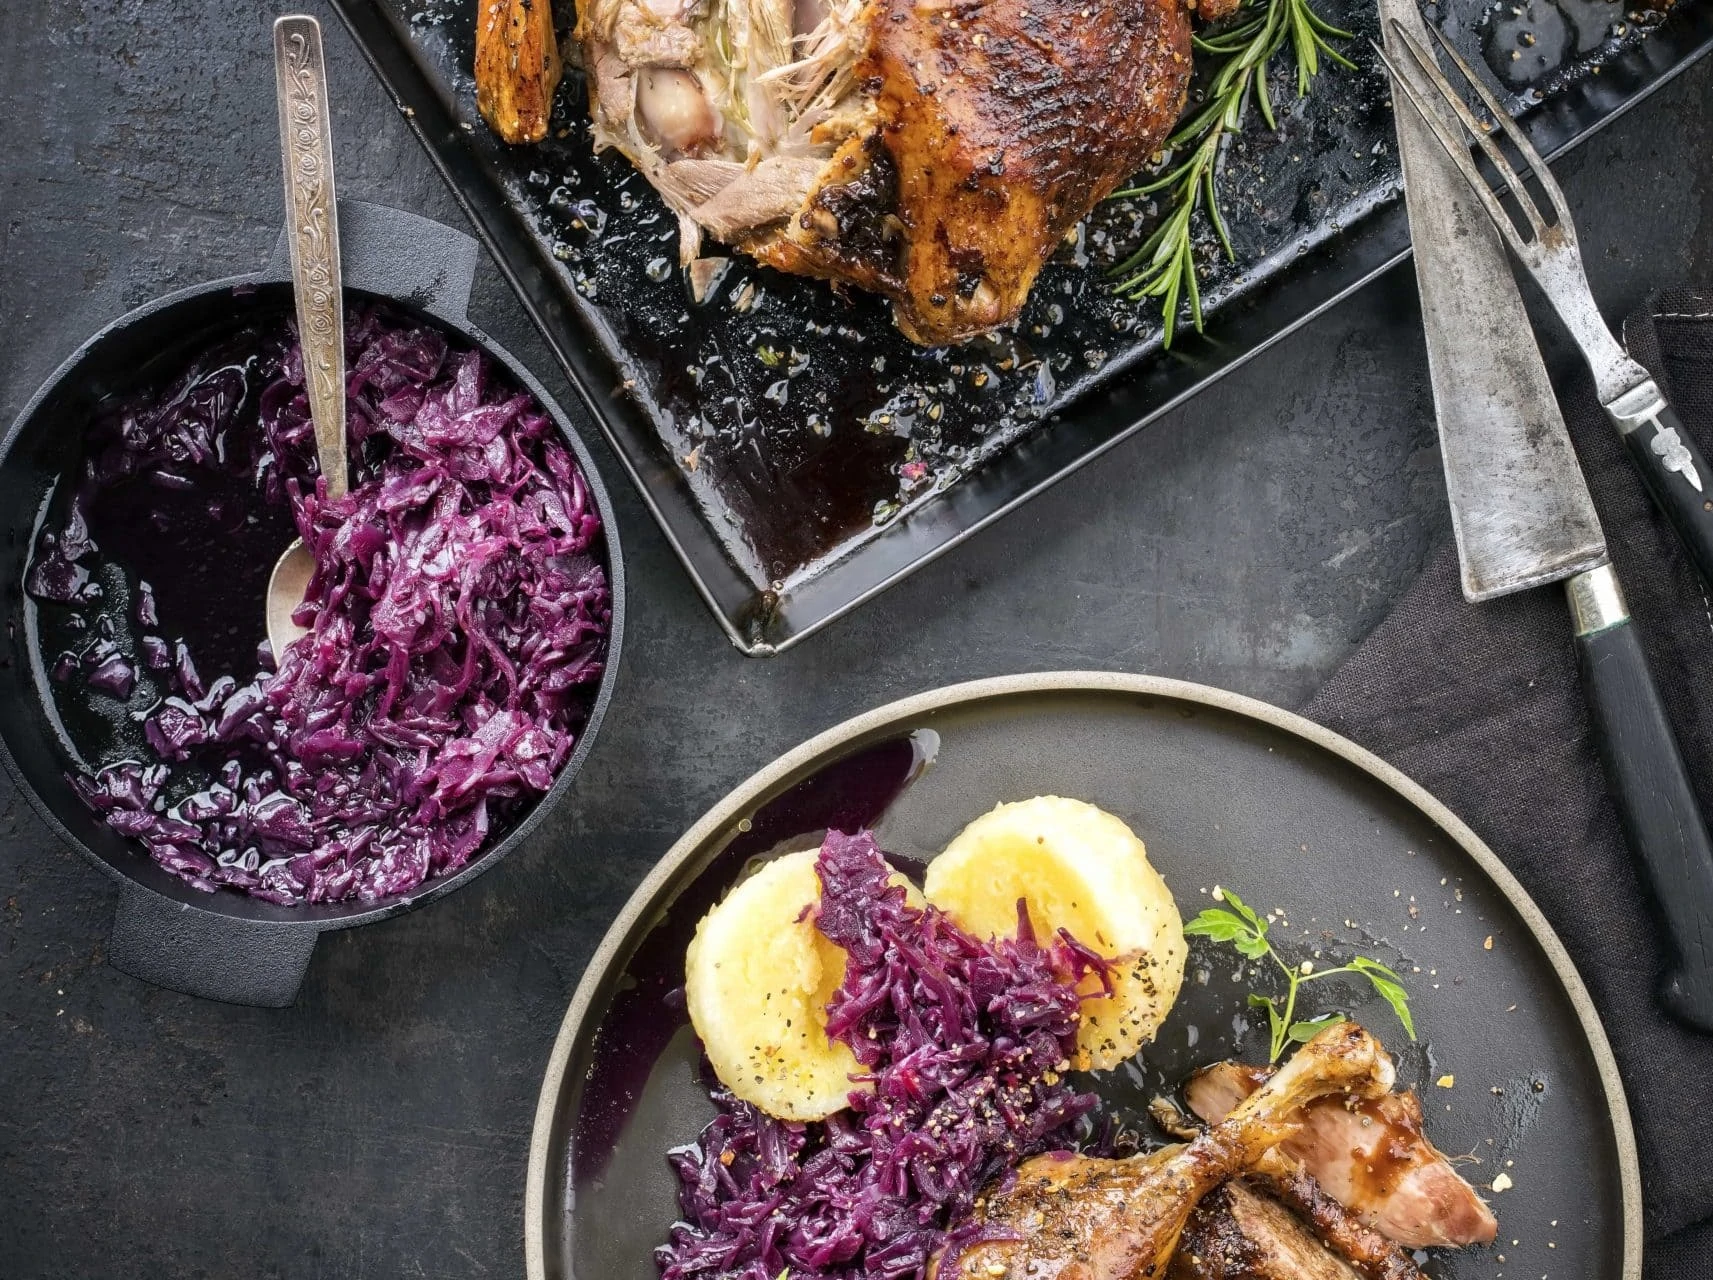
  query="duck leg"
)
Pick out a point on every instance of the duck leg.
point(1068, 1217)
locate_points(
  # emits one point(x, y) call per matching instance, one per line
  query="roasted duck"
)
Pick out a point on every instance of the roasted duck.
point(1373, 1255)
point(1277, 1223)
point(1080, 1218)
point(517, 67)
point(1373, 1158)
point(1242, 1233)
point(934, 151)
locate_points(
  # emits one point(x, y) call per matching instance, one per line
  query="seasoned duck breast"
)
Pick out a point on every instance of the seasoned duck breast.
point(934, 151)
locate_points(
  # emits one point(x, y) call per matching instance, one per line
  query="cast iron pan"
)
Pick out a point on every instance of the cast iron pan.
point(226, 946)
point(1224, 790)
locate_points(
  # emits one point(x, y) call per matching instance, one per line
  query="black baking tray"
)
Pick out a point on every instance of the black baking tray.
point(799, 454)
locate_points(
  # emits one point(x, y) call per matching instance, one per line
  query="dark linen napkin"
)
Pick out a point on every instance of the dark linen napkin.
point(1480, 704)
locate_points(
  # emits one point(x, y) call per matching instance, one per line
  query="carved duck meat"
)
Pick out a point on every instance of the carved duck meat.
point(1277, 1224)
point(1372, 1255)
point(1068, 1217)
point(934, 151)
point(1241, 1233)
point(1373, 1158)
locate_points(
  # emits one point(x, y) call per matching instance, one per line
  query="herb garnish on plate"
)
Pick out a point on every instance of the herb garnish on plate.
point(1247, 933)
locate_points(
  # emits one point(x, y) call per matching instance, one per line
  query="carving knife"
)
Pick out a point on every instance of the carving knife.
point(1523, 518)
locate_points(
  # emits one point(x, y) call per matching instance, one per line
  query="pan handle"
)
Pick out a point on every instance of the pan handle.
point(399, 255)
point(217, 957)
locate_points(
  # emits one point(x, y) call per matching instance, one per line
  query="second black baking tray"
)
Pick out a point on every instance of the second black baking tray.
point(798, 452)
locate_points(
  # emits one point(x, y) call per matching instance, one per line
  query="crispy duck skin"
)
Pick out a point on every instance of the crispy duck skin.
point(1068, 1217)
point(1373, 1158)
point(517, 67)
point(1211, 11)
point(1002, 123)
point(1241, 1233)
point(1372, 1255)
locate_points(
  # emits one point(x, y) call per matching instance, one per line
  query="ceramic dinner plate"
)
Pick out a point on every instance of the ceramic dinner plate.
point(1225, 791)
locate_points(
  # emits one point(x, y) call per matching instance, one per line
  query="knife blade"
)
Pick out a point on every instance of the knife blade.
point(1520, 508)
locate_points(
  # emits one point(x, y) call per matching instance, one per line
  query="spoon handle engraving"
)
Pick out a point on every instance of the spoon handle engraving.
point(312, 223)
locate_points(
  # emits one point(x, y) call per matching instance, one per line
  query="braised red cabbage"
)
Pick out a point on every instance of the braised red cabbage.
point(458, 620)
point(967, 1045)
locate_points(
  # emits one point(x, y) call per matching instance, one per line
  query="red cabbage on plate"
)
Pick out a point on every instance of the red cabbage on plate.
point(963, 1046)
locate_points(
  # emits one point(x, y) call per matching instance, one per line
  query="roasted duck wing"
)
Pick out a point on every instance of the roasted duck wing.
point(1078, 1218)
point(934, 151)
point(1374, 1159)
point(517, 67)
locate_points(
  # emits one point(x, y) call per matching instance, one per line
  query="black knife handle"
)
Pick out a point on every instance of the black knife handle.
point(1675, 472)
point(1650, 786)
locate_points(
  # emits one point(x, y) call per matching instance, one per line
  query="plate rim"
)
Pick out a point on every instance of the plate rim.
point(741, 798)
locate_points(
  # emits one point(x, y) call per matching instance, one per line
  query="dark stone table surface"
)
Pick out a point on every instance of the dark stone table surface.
point(379, 1127)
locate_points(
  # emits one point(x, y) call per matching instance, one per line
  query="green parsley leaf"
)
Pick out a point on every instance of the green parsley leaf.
point(1303, 1032)
point(1275, 1023)
point(1237, 904)
point(1395, 995)
point(1219, 925)
point(1251, 945)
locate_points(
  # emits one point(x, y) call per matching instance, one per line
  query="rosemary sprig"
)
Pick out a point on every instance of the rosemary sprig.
point(1247, 932)
point(1165, 266)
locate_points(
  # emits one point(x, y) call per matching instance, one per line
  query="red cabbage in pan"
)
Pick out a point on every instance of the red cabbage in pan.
point(458, 622)
point(967, 1044)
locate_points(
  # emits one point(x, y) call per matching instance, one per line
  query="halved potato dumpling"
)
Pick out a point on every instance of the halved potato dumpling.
point(1081, 869)
point(757, 979)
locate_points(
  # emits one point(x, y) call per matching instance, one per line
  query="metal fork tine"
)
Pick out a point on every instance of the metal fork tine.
point(1531, 158)
point(1456, 146)
point(1424, 60)
point(1459, 148)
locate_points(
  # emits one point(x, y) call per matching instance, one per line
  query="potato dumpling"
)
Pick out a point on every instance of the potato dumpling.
point(757, 979)
point(1081, 869)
